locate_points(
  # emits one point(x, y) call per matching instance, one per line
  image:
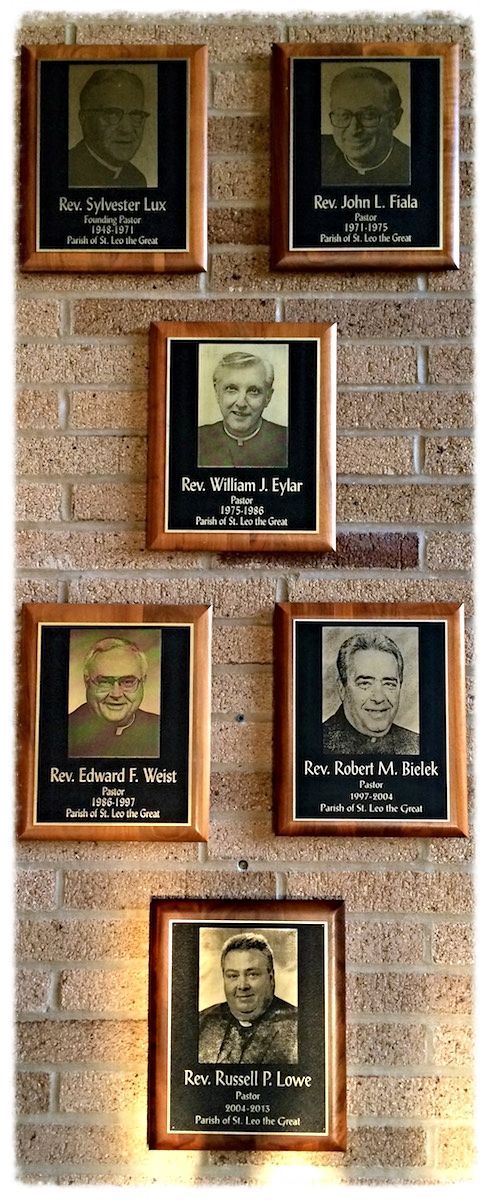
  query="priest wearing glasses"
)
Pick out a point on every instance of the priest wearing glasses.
point(112, 118)
point(111, 724)
point(364, 110)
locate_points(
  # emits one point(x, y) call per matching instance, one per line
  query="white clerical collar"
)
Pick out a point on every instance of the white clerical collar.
point(365, 170)
point(242, 440)
point(122, 728)
point(115, 170)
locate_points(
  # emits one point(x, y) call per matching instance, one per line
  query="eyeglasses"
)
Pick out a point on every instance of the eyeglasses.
point(369, 118)
point(113, 116)
point(103, 684)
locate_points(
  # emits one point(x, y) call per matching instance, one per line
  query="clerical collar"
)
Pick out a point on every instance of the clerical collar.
point(115, 170)
point(242, 440)
point(122, 728)
point(365, 170)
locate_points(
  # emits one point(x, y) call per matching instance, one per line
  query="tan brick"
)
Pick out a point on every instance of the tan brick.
point(37, 409)
point(43, 30)
point(54, 940)
point(397, 551)
point(413, 993)
point(450, 552)
point(384, 942)
point(455, 1147)
point(102, 1092)
point(450, 364)
point(118, 889)
point(238, 134)
point(461, 280)
point(386, 1045)
point(38, 318)
point(419, 590)
point(109, 502)
point(250, 271)
point(404, 502)
point(242, 743)
point(376, 364)
point(252, 597)
point(32, 1092)
point(374, 456)
point(66, 454)
point(467, 225)
point(71, 1144)
point(467, 87)
point(106, 317)
point(107, 284)
point(240, 179)
point(242, 644)
point(467, 180)
point(251, 885)
point(409, 410)
point(124, 991)
point(80, 363)
point(453, 1046)
point(36, 591)
point(419, 1097)
point(38, 502)
point(387, 891)
point(32, 990)
point(240, 226)
point(36, 889)
point(66, 1041)
point(136, 854)
point(236, 792)
point(449, 456)
point(108, 410)
point(424, 317)
point(242, 693)
point(228, 40)
point(367, 30)
point(86, 550)
point(452, 944)
point(387, 1147)
point(243, 90)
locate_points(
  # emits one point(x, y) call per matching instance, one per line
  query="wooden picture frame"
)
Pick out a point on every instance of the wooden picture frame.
point(281, 1083)
point(85, 204)
point(380, 748)
point(346, 194)
point(221, 476)
point(114, 722)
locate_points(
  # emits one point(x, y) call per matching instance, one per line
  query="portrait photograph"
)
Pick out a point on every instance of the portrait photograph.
point(240, 436)
point(113, 125)
point(246, 1024)
point(108, 181)
point(114, 734)
point(243, 404)
point(369, 721)
point(365, 153)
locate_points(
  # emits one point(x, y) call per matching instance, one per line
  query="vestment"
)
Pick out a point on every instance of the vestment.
point(340, 737)
point(84, 170)
point(336, 171)
point(272, 1038)
point(90, 736)
point(268, 447)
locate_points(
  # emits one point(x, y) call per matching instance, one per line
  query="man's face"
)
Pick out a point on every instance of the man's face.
point(113, 139)
point(242, 394)
point(115, 689)
point(248, 984)
point(372, 691)
point(364, 146)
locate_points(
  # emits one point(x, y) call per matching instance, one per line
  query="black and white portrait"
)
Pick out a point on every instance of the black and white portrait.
point(114, 693)
point(113, 125)
point(248, 984)
point(365, 123)
point(243, 404)
point(370, 690)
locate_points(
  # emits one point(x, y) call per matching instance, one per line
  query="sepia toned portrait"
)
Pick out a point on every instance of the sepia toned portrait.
point(113, 125)
point(243, 404)
point(248, 995)
point(114, 693)
point(365, 123)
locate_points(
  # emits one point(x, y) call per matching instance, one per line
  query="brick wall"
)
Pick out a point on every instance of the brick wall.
point(404, 532)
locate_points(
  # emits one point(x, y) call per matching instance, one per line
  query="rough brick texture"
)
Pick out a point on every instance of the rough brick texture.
point(404, 419)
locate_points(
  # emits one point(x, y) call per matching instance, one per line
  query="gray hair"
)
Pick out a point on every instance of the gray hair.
point(113, 643)
point(391, 89)
point(243, 358)
point(366, 641)
point(248, 941)
point(107, 75)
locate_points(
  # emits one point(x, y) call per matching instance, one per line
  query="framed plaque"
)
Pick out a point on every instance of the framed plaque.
point(247, 1025)
point(369, 733)
point(241, 437)
point(364, 156)
point(114, 722)
point(109, 181)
